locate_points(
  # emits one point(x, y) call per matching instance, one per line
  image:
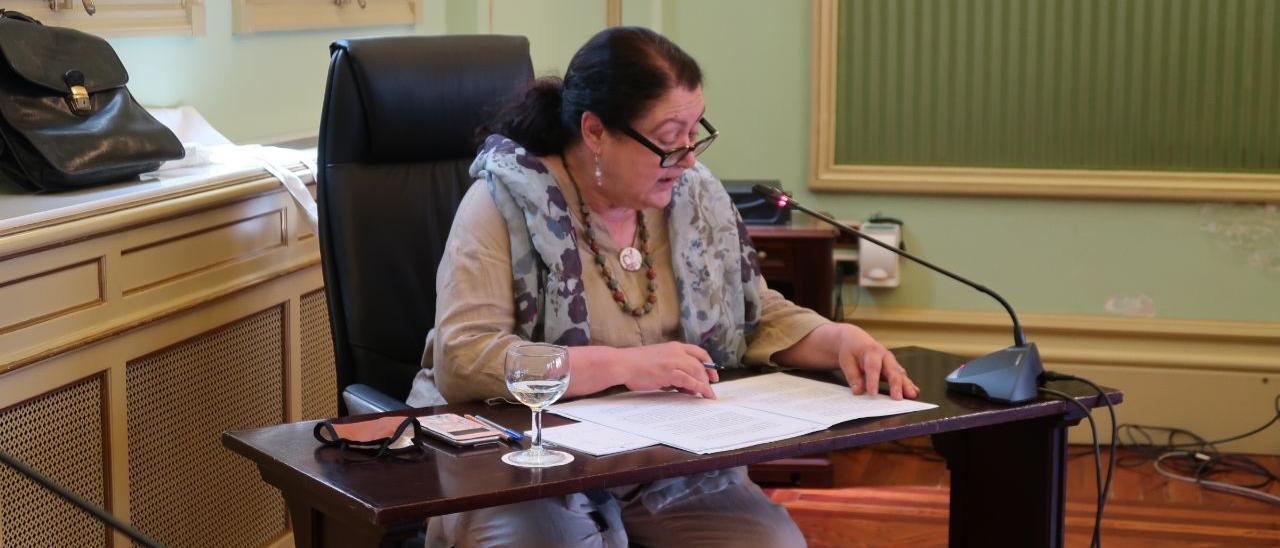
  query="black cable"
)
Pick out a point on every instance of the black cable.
point(842, 277)
point(878, 218)
point(1201, 442)
point(839, 314)
point(1097, 463)
point(75, 499)
point(1202, 463)
point(1274, 418)
point(857, 296)
point(1115, 430)
point(1245, 465)
point(1141, 441)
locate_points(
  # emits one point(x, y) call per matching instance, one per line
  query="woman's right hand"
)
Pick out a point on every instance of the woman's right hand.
point(668, 365)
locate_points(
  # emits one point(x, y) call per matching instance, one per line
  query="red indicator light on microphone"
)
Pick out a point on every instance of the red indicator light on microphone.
point(782, 202)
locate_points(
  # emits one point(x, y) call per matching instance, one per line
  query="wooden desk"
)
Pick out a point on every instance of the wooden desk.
point(1008, 467)
point(796, 260)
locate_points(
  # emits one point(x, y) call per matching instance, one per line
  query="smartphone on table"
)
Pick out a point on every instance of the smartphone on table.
point(457, 430)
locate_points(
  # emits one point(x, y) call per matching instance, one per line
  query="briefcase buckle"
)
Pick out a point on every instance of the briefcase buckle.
point(79, 99)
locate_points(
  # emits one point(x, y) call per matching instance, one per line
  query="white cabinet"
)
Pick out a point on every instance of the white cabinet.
point(137, 323)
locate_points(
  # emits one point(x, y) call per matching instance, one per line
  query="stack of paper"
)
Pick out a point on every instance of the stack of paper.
point(593, 439)
point(824, 403)
point(747, 412)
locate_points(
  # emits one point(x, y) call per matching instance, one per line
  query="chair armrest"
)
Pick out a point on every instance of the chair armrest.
point(362, 399)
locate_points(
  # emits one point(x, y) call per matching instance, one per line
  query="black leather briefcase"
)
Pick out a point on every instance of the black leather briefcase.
point(66, 119)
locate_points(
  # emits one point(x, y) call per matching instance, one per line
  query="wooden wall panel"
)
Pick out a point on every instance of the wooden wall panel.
point(187, 311)
point(187, 254)
point(49, 294)
point(60, 434)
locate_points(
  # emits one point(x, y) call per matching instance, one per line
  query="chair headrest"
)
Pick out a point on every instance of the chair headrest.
point(417, 98)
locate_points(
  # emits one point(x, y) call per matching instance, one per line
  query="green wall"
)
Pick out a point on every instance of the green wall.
point(1045, 256)
point(253, 88)
point(1167, 85)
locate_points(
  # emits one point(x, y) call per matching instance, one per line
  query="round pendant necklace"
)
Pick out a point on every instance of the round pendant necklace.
point(630, 258)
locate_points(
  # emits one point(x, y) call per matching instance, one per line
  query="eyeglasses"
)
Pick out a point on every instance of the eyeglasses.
point(672, 157)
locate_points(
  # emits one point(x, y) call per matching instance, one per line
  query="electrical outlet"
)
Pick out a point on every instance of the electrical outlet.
point(880, 267)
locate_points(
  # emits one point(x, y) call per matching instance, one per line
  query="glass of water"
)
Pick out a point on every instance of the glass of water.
point(537, 374)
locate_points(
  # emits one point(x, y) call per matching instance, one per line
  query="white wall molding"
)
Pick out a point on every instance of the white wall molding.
point(1079, 339)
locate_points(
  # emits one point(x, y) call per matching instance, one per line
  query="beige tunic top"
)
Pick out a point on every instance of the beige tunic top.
point(475, 308)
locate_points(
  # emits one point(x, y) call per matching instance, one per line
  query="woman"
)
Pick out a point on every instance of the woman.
point(593, 226)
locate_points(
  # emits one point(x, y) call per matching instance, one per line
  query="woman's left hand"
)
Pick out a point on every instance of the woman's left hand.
point(865, 361)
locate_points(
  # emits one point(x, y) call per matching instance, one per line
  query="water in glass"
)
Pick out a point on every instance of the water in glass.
point(537, 374)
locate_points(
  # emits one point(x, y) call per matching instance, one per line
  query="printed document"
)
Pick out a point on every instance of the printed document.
point(825, 403)
point(747, 412)
point(593, 439)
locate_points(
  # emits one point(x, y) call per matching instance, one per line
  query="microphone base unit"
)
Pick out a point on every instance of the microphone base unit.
point(1011, 375)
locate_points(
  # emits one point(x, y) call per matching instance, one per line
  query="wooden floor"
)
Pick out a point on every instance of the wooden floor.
point(889, 497)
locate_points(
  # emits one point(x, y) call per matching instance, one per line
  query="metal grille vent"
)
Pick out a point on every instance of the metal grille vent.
point(319, 377)
point(184, 488)
point(59, 434)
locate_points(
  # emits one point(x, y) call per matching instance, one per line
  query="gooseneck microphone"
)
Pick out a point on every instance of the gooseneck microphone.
point(1010, 375)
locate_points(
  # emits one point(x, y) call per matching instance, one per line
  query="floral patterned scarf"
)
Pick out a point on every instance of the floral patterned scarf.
point(715, 265)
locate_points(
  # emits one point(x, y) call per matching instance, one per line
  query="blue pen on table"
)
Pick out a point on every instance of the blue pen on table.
point(512, 433)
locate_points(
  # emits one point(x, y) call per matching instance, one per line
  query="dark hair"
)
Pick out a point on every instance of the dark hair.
point(617, 74)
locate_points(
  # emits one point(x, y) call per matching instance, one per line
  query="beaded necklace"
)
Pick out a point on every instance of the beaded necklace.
point(625, 257)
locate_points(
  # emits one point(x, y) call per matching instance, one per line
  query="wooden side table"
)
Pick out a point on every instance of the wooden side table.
point(796, 260)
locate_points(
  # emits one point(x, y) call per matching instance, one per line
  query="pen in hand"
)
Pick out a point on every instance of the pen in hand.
point(710, 365)
point(506, 433)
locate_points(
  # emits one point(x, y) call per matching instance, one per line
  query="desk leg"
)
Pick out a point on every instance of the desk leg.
point(1008, 483)
point(312, 528)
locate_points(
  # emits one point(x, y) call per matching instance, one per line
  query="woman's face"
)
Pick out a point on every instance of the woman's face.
point(633, 176)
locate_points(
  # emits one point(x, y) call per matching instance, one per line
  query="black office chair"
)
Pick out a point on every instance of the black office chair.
point(397, 135)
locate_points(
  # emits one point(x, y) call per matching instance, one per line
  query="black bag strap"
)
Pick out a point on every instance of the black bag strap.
point(10, 14)
point(325, 433)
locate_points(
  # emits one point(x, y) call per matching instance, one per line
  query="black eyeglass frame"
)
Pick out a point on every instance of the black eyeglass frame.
point(668, 158)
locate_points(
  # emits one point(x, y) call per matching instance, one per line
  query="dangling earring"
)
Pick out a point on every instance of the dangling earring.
point(599, 172)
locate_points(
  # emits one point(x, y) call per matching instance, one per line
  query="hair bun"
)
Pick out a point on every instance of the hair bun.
point(533, 118)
